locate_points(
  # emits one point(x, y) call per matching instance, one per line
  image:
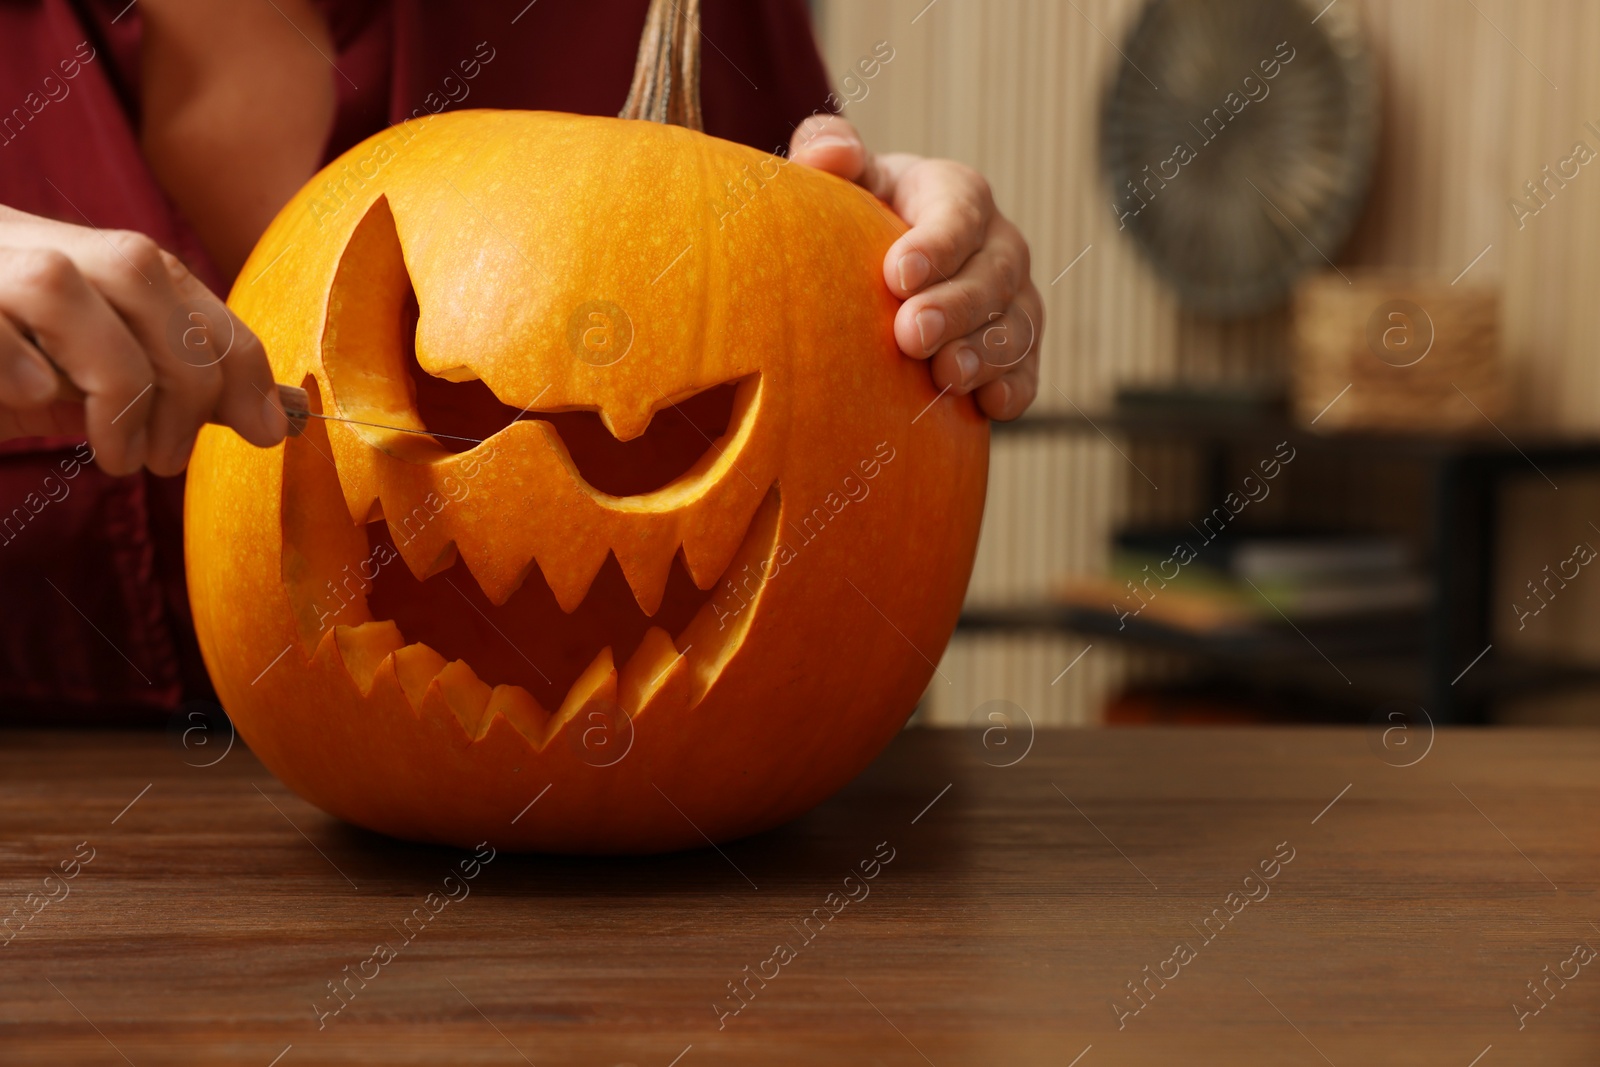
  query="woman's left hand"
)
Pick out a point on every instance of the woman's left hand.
point(962, 269)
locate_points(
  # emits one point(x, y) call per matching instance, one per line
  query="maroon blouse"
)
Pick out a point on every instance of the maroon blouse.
point(94, 617)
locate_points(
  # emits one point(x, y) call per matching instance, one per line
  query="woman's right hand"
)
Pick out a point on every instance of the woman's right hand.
point(154, 352)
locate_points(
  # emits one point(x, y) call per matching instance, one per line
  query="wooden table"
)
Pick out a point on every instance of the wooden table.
point(1019, 903)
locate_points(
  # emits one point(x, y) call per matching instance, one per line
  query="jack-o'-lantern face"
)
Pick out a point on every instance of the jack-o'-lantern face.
point(683, 536)
point(598, 544)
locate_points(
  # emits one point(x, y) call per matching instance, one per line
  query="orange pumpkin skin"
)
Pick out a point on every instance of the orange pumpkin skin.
point(819, 550)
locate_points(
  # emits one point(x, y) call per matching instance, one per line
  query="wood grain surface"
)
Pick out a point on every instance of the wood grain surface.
point(1017, 904)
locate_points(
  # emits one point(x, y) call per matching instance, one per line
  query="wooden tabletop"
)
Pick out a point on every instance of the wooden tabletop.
point(1308, 901)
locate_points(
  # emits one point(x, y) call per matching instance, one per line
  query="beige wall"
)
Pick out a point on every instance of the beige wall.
point(1012, 87)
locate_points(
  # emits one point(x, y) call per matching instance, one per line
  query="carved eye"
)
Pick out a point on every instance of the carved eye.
point(370, 357)
point(679, 438)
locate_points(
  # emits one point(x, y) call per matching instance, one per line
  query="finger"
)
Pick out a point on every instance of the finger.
point(27, 380)
point(137, 279)
point(991, 351)
point(249, 402)
point(248, 399)
point(949, 207)
point(30, 404)
point(830, 143)
point(43, 290)
point(186, 394)
point(985, 286)
point(1007, 397)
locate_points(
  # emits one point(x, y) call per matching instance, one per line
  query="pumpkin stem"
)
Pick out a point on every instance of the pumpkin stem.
point(666, 78)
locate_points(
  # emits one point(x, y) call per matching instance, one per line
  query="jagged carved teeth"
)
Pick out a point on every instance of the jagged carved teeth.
point(647, 549)
point(539, 664)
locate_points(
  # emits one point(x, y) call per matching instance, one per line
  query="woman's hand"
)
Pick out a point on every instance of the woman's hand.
point(962, 268)
point(154, 352)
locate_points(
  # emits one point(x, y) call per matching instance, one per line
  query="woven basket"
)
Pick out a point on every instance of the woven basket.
point(1409, 355)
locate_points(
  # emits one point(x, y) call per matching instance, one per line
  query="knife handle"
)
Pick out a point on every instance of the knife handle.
point(296, 405)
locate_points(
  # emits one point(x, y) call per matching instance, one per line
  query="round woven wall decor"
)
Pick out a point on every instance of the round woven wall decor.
point(1238, 137)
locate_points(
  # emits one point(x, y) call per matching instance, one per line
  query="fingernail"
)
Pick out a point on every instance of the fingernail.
point(1003, 404)
point(828, 140)
point(34, 381)
point(136, 449)
point(966, 366)
point(930, 328)
point(913, 268)
point(273, 418)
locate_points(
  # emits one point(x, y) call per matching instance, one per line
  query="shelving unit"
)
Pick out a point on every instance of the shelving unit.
point(1441, 658)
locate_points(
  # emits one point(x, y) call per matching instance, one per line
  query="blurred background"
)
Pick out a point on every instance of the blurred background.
point(1378, 257)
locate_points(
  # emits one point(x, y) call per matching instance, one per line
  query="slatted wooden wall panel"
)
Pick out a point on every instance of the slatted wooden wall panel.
point(1480, 95)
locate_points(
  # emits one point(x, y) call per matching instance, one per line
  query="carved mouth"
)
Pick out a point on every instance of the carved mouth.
point(541, 666)
point(524, 658)
point(452, 614)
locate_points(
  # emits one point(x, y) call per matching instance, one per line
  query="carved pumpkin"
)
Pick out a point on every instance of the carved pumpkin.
point(716, 534)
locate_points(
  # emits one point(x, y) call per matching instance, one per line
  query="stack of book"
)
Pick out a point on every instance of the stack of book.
point(1178, 579)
